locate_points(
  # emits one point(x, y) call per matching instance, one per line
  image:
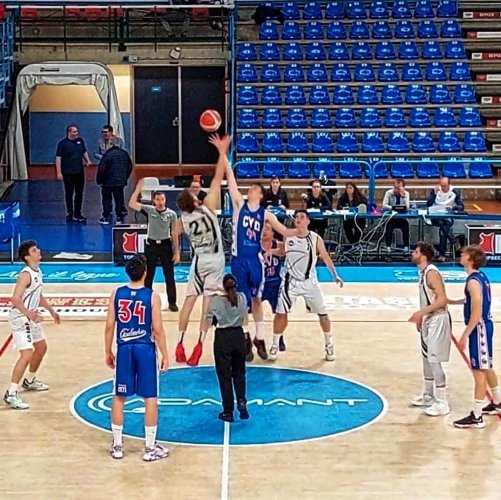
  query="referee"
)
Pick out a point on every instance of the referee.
point(162, 243)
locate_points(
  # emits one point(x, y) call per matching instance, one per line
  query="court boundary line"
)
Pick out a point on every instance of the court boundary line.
point(225, 463)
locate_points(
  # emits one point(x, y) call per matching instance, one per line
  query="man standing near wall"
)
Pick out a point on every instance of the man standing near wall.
point(107, 141)
point(71, 154)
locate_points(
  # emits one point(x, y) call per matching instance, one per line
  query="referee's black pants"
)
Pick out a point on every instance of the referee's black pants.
point(160, 250)
point(229, 357)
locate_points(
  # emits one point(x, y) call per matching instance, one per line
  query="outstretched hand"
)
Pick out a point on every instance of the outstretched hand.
point(222, 144)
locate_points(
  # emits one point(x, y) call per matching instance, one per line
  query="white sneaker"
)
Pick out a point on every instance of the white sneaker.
point(329, 353)
point(422, 400)
point(116, 451)
point(273, 354)
point(156, 452)
point(14, 401)
point(438, 408)
point(35, 385)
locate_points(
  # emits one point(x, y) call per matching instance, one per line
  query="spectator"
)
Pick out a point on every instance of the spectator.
point(196, 189)
point(71, 154)
point(316, 198)
point(352, 197)
point(396, 197)
point(107, 141)
point(446, 199)
point(275, 196)
point(113, 173)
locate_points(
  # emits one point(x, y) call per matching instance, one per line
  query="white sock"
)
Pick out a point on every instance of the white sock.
point(259, 330)
point(181, 337)
point(496, 395)
point(441, 393)
point(117, 434)
point(328, 338)
point(150, 435)
point(31, 376)
point(428, 386)
point(477, 408)
point(13, 388)
point(276, 339)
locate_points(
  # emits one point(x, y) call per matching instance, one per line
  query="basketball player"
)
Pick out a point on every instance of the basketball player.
point(434, 323)
point(134, 312)
point(300, 280)
point(199, 222)
point(25, 325)
point(478, 335)
point(246, 262)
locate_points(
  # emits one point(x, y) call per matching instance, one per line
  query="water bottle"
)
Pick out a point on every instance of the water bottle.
point(322, 176)
point(227, 203)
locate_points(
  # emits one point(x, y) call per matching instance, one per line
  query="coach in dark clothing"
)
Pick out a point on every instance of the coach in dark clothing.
point(71, 154)
point(113, 173)
point(275, 196)
point(316, 198)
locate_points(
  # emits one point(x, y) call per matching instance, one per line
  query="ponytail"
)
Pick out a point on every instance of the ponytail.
point(230, 287)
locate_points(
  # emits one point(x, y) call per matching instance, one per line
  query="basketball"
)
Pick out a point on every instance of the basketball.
point(210, 120)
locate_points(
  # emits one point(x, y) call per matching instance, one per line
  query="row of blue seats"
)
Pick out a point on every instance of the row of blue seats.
point(362, 72)
point(368, 118)
point(390, 94)
point(338, 51)
point(372, 142)
point(401, 9)
point(337, 30)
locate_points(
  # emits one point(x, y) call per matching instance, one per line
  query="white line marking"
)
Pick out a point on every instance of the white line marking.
point(225, 466)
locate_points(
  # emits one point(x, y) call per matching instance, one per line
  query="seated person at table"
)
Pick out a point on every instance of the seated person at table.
point(445, 198)
point(196, 189)
point(316, 198)
point(352, 197)
point(275, 196)
point(396, 197)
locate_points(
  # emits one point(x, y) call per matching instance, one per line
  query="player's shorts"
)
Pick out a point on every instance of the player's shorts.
point(206, 274)
point(309, 289)
point(136, 370)
point(436, 338)
point(480, 346)
point(25, 333)
point(270, 294)
point(249, 273)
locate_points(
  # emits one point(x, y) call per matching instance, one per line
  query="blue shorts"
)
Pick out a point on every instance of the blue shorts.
point(270, 294)
point(249, 273)
point(480, 346)
point(136, 370)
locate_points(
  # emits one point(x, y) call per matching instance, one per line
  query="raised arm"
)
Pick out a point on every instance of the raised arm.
point(278, 226)
point(324, 255)
point(222, 144)
point(236, 197)
point(133, 202)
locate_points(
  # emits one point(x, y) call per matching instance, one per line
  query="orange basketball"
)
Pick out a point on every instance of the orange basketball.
point(210, 120)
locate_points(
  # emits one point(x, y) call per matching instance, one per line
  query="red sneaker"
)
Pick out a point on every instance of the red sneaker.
point(180, 354)
point(196, 355)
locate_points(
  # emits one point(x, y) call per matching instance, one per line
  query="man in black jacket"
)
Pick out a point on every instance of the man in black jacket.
point(113, 172)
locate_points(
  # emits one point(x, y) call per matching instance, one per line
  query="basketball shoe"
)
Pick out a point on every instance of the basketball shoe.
point(116, 451)
point(422, 400)
point(329, 353)
point(438, 408)
point(35, 385)
point(492, 409)
point(156, 452)
point(260, 348)
point(14, 401)
point(273, 354)
point(470, 422)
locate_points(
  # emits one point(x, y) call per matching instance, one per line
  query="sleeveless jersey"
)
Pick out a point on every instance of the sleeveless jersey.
point(486, 297)
point(301, 256)
point(272, 267)
point(32, 294)
point(247, 231)
point(133, 315)
point(202, 228)
point(426, 294)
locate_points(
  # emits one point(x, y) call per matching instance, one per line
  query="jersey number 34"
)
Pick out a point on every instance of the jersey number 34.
point(126, 311)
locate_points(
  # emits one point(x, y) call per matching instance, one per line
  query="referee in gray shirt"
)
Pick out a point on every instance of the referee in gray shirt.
point(162, 243)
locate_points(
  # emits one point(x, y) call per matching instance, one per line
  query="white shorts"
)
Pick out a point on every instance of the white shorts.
point(436, 338)
point(25, 333)
point(291, 289)
point(206, 274)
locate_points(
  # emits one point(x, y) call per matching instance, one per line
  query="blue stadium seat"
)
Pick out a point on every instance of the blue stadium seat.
point(352, 169)
point(338, 51)
point(299, 169)
point(424, 9)
point(422, 142)
point(321, 118)
point(404, 29)
point(315, 51)
point(394, 118)
point(460, 72)
point(296, 118)
point(313, 31)
point(435, 72)
point(385, 50)
point(447, 8)
point(412, 72)
point(273, 167)
point(372, 142)
point(246, 73)
point(270, 73)
point(341, 73)
point(474, 142)
point(247, 118)
point(290, 10)
point(480, 170)
point(271, 96)
point(293, 73)
point(398, 143)
point(246, 52)
point(401, 10)
point(312, 10)
point(322, 143)
point(416, 94)
point(367, 94)
point(469, 117)
point(388, 73)
point(319, 95)
point(325, 165)
point(334, 10)
point(380, 169)
point(336, 31)
point(294, 96)
point(370, 118)
point(247, 143)
point(364, 72)
point(427, 169)
point(454, 168)
point(268, 31)
point(427, 29)
point(347, 143)
point(464, 94)
point(448, 142)
point(345, 118)
point(246, 95)
point(269, 52)
point(379, 10)
point(247, 168)
point(317, 73)
point(450, 29)
point(419, 117)
point(408, 50)
point(272, 118)
point(439, 94)
point(381, 30)
point(361, 50)
point(293, 51)
point(297, 143)
point(272, 143)
point(359, 30)
point(391, 94)
point(455, 49)
point(291, 31)
point(432, 50)
point(356, 10)
point(343, 95)
point(444, 117)
point(401, 168)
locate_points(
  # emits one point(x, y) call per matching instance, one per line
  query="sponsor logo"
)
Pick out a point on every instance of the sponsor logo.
point(128, 334)
point(411, 275)
point(490, 243)
point(133, 243)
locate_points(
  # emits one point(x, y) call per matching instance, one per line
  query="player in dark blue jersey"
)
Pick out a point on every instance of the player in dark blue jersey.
point(478, 335)
point(134, 313)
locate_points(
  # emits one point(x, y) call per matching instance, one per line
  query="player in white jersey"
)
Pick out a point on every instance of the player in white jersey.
point(25, 325)
point(434, 324)
point(300, 280)
point(199, 222)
